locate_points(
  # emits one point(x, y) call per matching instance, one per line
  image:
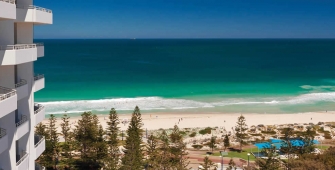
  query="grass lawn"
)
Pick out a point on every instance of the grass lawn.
point(323, 147)
point(234, 154)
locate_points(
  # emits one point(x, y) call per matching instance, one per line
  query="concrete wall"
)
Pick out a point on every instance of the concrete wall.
point(7, 77)
point(33, 16)
point(43, 17)
point(8, 157)
point(24, 164)
point(14, 57)
point(4, 144)
point(22, 92)
point(39, 149)
point(8, 106)
point(22, 130)
point(39, 84)
point(24, 33)
point(7, 32)
point(24, 2)
point(40, 116)
point(40, 51)
point(7, 10)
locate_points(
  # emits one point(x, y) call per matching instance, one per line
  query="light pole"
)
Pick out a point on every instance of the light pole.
point(221, 153)
point(248, 159)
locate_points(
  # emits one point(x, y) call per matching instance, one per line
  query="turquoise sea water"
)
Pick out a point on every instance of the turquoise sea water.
point(257, 76)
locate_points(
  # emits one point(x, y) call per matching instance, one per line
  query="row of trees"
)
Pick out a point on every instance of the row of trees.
point(90, 146)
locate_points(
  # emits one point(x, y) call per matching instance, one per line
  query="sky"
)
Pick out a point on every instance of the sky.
point(86, 19)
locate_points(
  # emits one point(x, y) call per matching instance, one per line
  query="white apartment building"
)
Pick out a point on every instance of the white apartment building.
point(19, 146)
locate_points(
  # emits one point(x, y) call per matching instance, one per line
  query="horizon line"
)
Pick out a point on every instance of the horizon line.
point(187, 38)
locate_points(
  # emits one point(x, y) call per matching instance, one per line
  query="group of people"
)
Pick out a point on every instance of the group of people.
point(179, 120)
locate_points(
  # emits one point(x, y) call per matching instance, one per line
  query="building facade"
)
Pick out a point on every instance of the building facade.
point(19, 114)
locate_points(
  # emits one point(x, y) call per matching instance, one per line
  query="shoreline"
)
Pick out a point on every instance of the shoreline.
point(154, 121)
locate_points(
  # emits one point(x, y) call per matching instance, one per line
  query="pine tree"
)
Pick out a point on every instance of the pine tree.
point(240, 129)
point(308, 142)
point(152, 153)
point(101, 145)
point(66, 147)
point(271, 162)
point(175, 136)
point(231, 165)
point(52, 130)
point(287, 147)
point(85, 134)
point(208, 164)
point(132, 159)
point(41, 130)
point(226, 142)
point(51, 153)
point(212, 143)
point(178, 150)
point(112, 162)
point(164, 156)
point(65, 127)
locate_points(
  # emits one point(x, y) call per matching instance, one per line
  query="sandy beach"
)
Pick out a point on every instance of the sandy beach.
point(228, 120)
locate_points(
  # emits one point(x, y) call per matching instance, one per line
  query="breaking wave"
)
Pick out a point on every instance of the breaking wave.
point(159, 103)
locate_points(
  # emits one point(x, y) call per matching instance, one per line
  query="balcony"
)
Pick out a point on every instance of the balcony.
point(3, 140)
point(39, 82)
point(33, 14)
point(22, 127)
point(21, 89)
point(39, 145)
point(39, 111)
point(22, 161)
point(7, 9)
point(40, 49)
point(39, 167)
point(8, 101)
point(18, 54)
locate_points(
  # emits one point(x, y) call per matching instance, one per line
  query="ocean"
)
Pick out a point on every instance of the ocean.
point(188, 75)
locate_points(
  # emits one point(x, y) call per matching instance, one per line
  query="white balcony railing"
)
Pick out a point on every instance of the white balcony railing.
point(8, 1)
point(6, 93)
point(23, 120)
point(40, 8)
point(25, 155)
point(21, 83)
point(38, 77)
point(17, 46)
point(34, 7)
point(2, 133)
point(38, 108)
point(39, 44)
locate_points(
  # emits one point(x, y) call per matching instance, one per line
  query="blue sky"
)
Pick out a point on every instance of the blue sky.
point(189, 19)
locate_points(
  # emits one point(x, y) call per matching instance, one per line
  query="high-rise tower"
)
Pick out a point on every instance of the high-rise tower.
point(19, 114)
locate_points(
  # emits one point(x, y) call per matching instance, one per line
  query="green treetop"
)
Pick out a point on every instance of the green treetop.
point(133, 157)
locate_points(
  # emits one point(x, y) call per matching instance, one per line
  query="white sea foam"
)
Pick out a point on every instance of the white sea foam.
point(312, 98)
point(158, 103)
point(145, 103)
point(318, 89)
